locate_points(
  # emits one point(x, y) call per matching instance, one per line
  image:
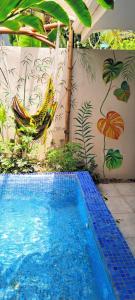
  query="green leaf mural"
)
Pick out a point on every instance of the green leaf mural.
point(84, 135)
point(123, 93)
point(107, 4)
point(113, 159)
point(111, 69)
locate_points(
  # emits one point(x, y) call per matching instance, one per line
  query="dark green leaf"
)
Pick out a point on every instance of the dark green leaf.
point(27, 41)
point(13, 25)
point(113, 159)
point(54, 9)
point(28, 3)
point(107, 4)
point(52, 35)
point(32, 21)
point(81, 10)
point(123, 93)
point(111, 69)
point(6, 7)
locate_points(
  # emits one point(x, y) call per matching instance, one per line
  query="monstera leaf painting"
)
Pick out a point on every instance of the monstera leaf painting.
point(113, 159)
point(111, 126)
point(111, 69)
point(123, 93)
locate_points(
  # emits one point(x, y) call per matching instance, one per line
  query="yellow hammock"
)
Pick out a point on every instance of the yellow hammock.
point(43, 117)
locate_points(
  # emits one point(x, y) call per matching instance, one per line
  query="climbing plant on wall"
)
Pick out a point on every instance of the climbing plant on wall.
point(111, 125)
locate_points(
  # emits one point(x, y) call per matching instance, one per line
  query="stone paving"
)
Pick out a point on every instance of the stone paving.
point(121, 203)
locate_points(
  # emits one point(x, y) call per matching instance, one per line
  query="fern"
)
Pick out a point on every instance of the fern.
point(128, 71)
point(84, 136)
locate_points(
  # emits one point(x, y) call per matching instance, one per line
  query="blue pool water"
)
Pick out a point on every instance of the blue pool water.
point(47, 246)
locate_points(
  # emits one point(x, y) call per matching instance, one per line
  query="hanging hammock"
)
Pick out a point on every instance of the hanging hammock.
point(43, 118)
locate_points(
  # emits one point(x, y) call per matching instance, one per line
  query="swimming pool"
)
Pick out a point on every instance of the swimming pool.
point(48, 244)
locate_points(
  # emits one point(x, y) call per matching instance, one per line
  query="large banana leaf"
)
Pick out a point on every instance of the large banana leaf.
point(52, 35)
point(28, 3)
point(13, 25)
point(51, 7)
point(81, 10)
point(107, 4)
point(6, 6)
point(54, 9)
point(27, 41)
point(32, 21)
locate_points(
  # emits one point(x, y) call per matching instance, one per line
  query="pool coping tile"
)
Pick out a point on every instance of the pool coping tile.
point(116, 253)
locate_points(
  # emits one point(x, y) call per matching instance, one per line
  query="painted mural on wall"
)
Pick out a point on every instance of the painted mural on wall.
point(102, 101)
point(111, 125)
point(111, 93)
point(24, 87)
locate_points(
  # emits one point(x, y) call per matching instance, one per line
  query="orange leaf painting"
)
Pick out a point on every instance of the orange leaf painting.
point(111, 126)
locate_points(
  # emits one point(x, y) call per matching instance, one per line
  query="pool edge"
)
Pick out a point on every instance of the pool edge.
point(117, 255)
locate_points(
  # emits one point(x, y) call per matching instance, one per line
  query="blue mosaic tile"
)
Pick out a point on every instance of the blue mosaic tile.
point(116, 253)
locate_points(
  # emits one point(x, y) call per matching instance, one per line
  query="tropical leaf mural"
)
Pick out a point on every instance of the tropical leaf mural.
point(111, 69)
point(123, 93)
point(112, 126)
point(84, 135)
point(113, 159)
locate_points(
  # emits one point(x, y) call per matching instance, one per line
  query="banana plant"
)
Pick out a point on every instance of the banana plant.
point(17, 13)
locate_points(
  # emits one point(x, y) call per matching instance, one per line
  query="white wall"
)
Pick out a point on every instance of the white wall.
point(25, 71)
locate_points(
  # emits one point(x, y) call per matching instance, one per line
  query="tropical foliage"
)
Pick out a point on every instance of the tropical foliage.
point(16, 155)
point(117, 40)
point(109, 39)
point(108, 4)
point(15, 14)
point(84, 135)
point(3, 118)
point(66, 158)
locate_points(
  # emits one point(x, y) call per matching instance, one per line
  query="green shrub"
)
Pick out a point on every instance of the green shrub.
point(16, 156)
point(66, 158)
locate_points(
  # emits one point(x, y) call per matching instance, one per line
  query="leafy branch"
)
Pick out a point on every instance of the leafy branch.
point(16, 15)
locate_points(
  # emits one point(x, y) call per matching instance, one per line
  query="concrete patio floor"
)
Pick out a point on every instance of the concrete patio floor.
point(121, 203)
